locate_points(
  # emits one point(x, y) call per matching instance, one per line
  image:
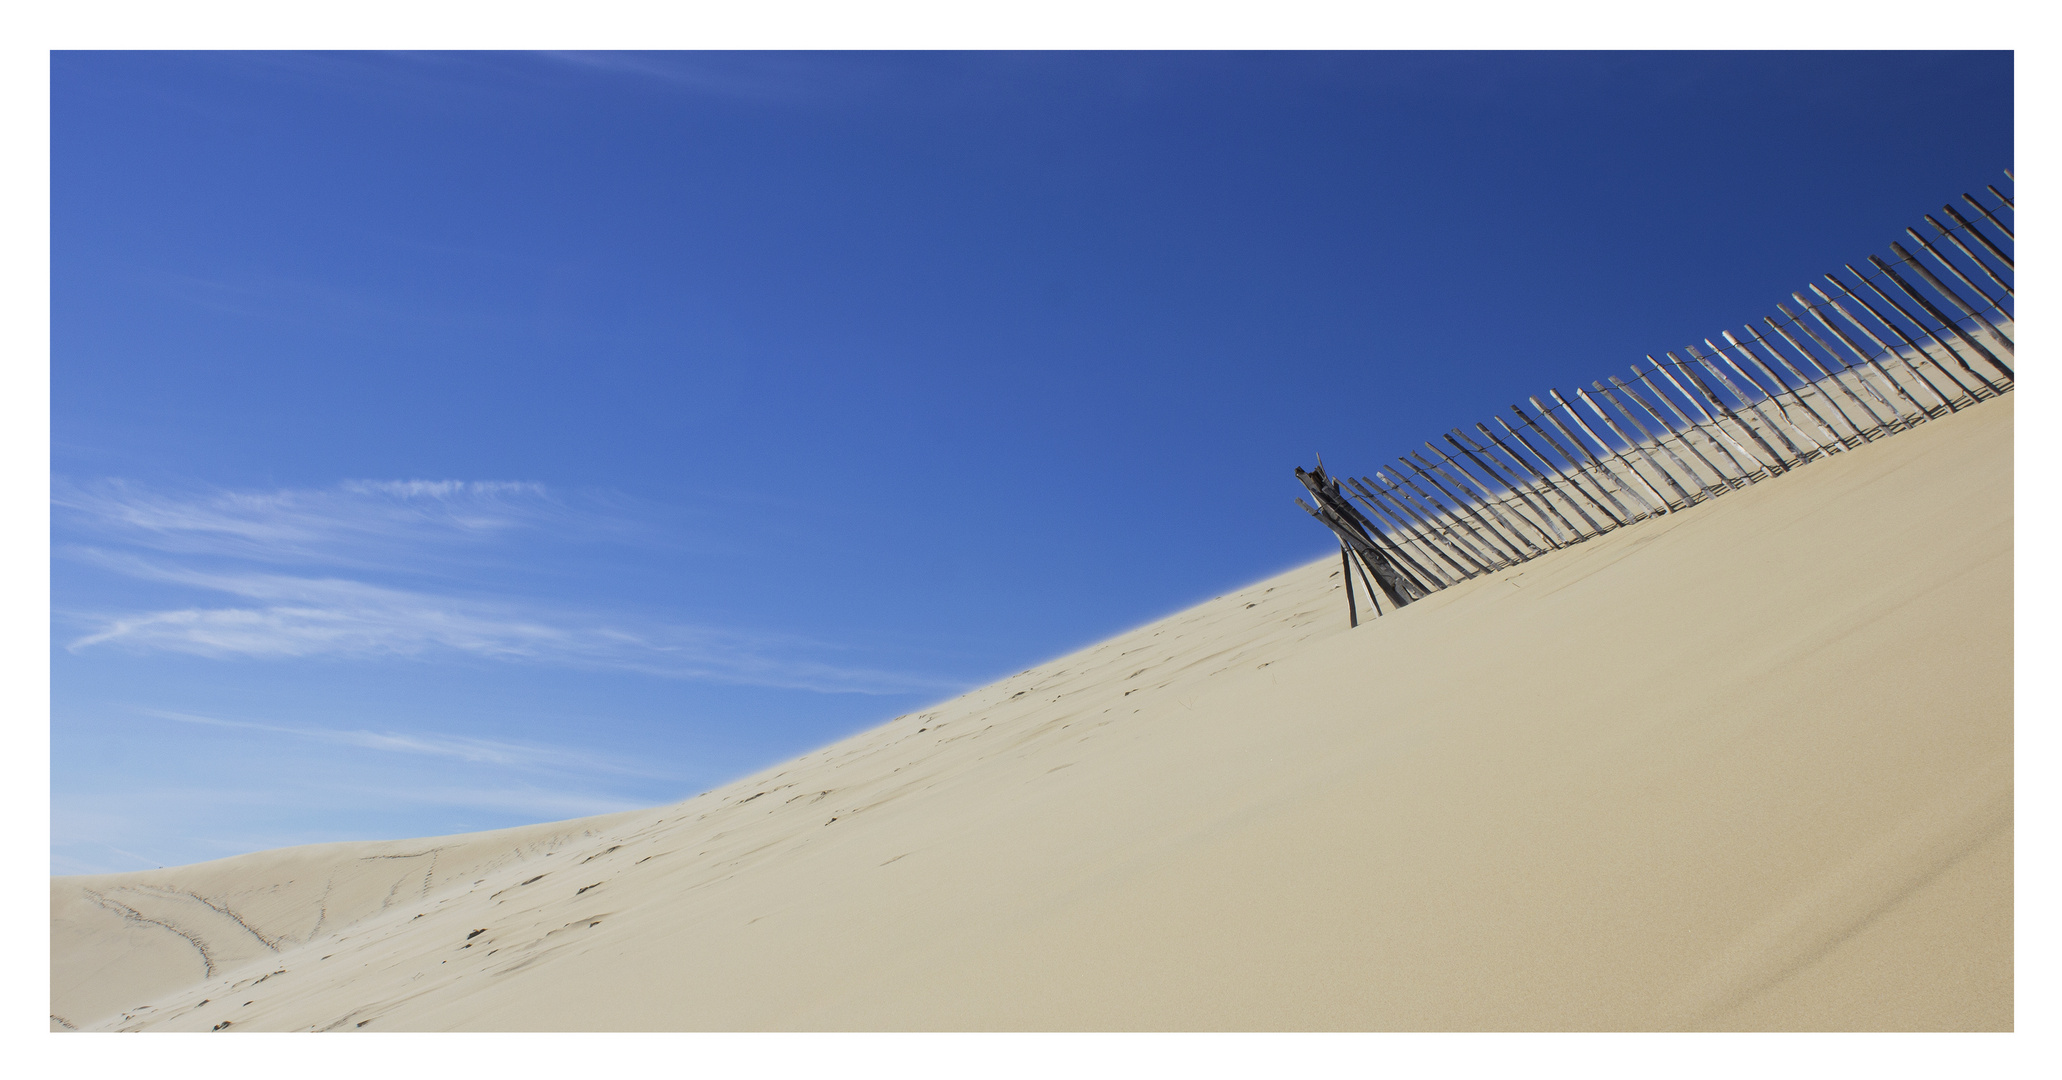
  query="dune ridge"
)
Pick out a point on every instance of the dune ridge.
point(1746, 766)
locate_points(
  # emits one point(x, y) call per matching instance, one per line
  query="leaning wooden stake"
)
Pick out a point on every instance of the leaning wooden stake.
point(1945, 348)
point(1400, 518)
point(1811, 385)
point(1990, 302)
point(1459, 513)
point(1436, 518)
point(1717, 436)
point(1561, 482)
point(1600, 464)
point(1544, 485)
point(1752, 405)
point(1830, 444)
point(1435, 538)
point(1977, 234)
point(1479, 454)
point(1947, 400)
point(1576, 472)
point(1648, 436)
point(1346, 580)
point(1776, 462)
point(1360, 536)
point(1635, 446)
point(1949, 324)
point(1898, 420)
point(1820, 317)
point(1467, 499)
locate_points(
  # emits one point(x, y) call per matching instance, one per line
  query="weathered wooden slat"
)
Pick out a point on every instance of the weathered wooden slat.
point(1345, 522)
point(1399, 554)
point(1990, 302)
point(1550, 528)
point(1586, 463)
point(1619, 512)
point(1449, 526)
point(1752, 405)
point(1487, 502)
point(1827, 441)
point(1800, 393)
point(1768, 399)
point(1926, 305)
point(1665, 505)
point(1374, 583)
point(1709, 427)
point(1430, 519)
point(1401, 534)
point(1947, 400)
point(1431, 569)
point(1394, 563)
point(1345, 563)
point(1461, 511)
point(1860, 434)
point(1960, 360)
point(1506, 501)
point(1386, 552)
point(1664, 431)
point(1775, 461)
point(1346, 581)
point(1555, 479)
point(1659, 441)
point(1641, 451)
point(1370, 583)
point(1543, 489)
point(1947, 293)
point(1368, 541)
point(1898, 421)
point(1865, 358)
point(1977, 234)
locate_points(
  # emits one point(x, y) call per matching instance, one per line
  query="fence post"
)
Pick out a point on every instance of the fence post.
point(1897, 417)
point(1945, 400)
point(1960, 360)
point(1725, 445)
point(1860, 434)
point(1434, 553)
point(1860, 355)
point(1949, 235)
point(1636, 448)
point(1486, 501)
point(1596, 527)
point(1659, 442)
point(1926, 306)
point(1479, 454)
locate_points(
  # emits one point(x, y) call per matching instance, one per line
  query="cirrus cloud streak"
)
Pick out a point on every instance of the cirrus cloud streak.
point(230, 546)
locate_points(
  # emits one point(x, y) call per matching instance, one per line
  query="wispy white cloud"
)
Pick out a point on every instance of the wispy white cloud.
point(355, 522)
point(333, 617)
point(209, 542)
point(493, 752)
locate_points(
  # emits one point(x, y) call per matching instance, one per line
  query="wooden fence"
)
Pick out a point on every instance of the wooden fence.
point(1844, 362)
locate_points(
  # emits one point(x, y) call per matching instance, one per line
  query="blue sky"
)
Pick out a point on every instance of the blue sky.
point(444, 442)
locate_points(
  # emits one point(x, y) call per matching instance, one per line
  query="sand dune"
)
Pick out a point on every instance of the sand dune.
point(1745, 766)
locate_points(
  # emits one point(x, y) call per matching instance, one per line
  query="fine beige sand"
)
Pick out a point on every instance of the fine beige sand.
point(1748, 766)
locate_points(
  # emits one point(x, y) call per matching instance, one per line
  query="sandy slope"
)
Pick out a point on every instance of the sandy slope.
point(1748, 766)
